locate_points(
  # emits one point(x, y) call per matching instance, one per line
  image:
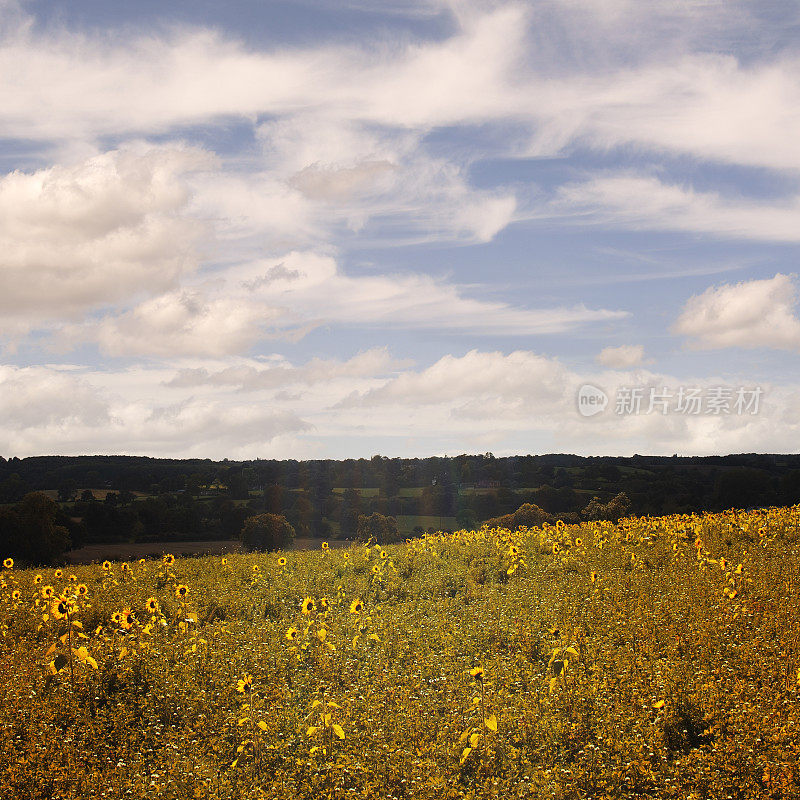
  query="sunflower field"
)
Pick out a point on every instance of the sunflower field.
point(658, 657)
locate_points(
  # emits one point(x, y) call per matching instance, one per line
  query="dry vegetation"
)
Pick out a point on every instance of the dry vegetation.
point(654, 658)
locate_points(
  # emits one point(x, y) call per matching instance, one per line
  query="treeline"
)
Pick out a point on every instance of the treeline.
point(125, 499)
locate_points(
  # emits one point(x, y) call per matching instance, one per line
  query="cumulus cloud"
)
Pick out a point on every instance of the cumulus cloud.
point(622, 357)
point(749, 314)
point(73, 238)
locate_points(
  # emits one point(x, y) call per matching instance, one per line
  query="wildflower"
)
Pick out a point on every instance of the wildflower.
point(477, 673)
point(244, 684)
point(151, 605)
point(37, 579)
point(127, 619)
point(126, 567)
point(181, 591)
point(324, 545)
point(8, 563)
point(384, 554)
point(116, 618)
point(292, 633)
point(281, 562)
point(106, 565)
point(168, 559)
point(58, 573)
point(82, 589)
point(224, 561)
point(356, 607)
point(73, 578)
point(47, 592)
point(308, 605)
point(16, 594)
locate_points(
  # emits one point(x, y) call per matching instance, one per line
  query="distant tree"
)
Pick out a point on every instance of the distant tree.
point(378, 528)
point(28, 531)
point(744, 488)
point(613, 510)
point(87, 495)
point(527, 515)
point(67, 490)
point(267, 532)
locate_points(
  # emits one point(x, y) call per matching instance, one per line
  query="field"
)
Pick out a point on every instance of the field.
point(654, 658)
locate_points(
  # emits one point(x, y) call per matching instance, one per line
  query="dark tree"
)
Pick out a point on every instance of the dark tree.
point(28, 531)
point(378, 528)
point(267, 532)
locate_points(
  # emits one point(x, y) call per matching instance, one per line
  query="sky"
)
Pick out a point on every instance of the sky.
point(340, 228)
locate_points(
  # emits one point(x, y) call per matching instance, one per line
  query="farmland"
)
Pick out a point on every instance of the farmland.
point(658, 657)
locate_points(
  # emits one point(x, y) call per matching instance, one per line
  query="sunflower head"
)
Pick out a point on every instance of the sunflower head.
point(106, 565)
point(126, 567)
point(116, 618)
point(181, 591)
point(73, 578)
point(151, 605)
point(224, 561)
point(308, 605)
point(82, 590)
point(8, 563)
point(48, 592)
point(282, 561)
point(579, 542)
point(168, 558)
point(323, 603)
point(477, 673)
point(356, 607)
point(16, 594)
point(324, 545)
point(245, 684)
point(292, 634)
point(60, 607)
point(127, 619)
point(37, 579)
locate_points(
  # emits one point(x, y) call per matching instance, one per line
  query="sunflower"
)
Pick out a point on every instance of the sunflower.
point(308, 605)
point(579, 542)
point(282, 561)
point(346, 556)
point(224, 561)
point(376, 568)
point(48, 592)
point(151, 605)
point(73, 578)
point(245, 684)
point(142, 562)
point(556, 548)
point(37, 579)
point(60, 607)
point(116, 618)
point(593, 577)
point(126, 567)
point(292, 634)
point(127, 619)
point(16, 594)
point(168, 558)
point(513, 551)
point(477, 673)
point(323, 603)
point(384, 554)
point(324, 545)
point(58, 573)
point(106, 565)
point(8, 563)
point(181, 591)
point(82, 589)
point(356, 607)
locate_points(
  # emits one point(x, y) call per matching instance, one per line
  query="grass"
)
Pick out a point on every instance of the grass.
point(654, 658)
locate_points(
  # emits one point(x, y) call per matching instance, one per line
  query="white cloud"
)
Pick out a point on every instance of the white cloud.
point(73, 238)
point(646, 203)
point(749, 314)
point(287, 298)
point(622, 357)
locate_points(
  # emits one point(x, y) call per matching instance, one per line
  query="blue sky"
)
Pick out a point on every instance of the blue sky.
point(329, 229)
